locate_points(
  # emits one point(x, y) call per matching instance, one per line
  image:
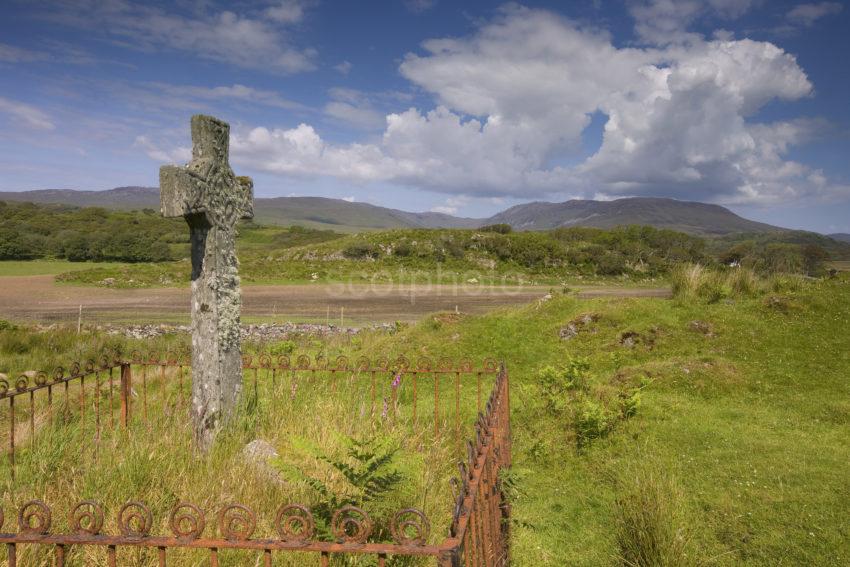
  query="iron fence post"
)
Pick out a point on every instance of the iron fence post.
point(126, 388)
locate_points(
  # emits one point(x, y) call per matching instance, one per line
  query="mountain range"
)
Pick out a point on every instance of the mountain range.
point(320, 212)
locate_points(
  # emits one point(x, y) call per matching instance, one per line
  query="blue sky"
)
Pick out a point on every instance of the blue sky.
point(459, 107)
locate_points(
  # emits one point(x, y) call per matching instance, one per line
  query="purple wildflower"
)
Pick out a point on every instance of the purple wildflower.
point(386, 409)
point(293, 390)
point(397, 380)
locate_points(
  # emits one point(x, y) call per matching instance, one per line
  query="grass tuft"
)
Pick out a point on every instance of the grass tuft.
point(651, 529)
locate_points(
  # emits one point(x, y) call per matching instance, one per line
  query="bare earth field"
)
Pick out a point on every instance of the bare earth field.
point(37, 298)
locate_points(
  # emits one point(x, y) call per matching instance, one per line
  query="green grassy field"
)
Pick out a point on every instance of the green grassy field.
point(48, 267)
point(746, 413)
point(710, 433)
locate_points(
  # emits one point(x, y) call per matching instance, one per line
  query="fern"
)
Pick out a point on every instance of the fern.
point(365, 477)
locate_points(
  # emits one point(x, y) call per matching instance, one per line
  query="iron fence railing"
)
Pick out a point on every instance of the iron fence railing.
point(113, 391)
point(478, 536)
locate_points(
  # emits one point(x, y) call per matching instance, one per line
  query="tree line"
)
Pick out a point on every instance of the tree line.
point(30, 231)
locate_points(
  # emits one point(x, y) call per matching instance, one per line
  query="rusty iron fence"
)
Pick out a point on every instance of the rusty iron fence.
point(113, 391)
point(478, 535)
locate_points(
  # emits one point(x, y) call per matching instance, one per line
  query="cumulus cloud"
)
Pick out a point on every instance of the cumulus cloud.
point(245, 40)
point(807, 14)
point(26, 114)
point(514, 98)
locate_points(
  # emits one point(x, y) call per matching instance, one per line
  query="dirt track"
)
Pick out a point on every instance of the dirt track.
point(38, 298)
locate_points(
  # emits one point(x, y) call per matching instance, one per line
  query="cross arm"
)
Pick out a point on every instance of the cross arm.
point(246, 187)
point(177, 192)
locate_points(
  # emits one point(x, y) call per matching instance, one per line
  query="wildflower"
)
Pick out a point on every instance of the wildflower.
point(396, 381)
point(385, 410)
point(293, 390)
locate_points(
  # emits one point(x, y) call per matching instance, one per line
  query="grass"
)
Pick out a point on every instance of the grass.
point(694, 282)
point(313, 420)
point(747, 410)
point(48, 267)
point(651, 528)
point(735, 454)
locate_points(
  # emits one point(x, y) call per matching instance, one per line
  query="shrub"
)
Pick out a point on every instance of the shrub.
point(650, 521)
point(281, 347)
point(500, 228)
point(591, 421)
point(403, 249)
point(557, 383)
point(361, 249)
point(629, 404)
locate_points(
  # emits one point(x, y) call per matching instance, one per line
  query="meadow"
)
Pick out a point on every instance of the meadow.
point(709, 429)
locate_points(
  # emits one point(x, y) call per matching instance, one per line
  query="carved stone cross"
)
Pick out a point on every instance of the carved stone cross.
point(212, 199)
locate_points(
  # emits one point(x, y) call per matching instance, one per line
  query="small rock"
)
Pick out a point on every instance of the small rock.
point(107, 282)
point(259, 453)
point(578, 324)
point(701, 327)
point(629, 339)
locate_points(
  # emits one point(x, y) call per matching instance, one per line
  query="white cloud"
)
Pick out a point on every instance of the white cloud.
point(514, 98)
point(451, 206)
point(256, 41)
point(343, 67)
point(807, 14)
point(365, 118)
point(286, 12)
point(349, 199)
point(662, 22)
point(27, 114)
point(355, 108)
point(228, 92)
point(177, 155)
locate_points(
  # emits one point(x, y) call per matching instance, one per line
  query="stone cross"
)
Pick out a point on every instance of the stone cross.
point(212, 199)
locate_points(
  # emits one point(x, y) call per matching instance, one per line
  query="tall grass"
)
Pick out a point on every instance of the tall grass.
point(697, 282)
point(651, 528)
point(69, 459)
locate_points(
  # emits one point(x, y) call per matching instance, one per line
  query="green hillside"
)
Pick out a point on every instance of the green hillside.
point(156, 250)
point(343, 216)
point(685, 216)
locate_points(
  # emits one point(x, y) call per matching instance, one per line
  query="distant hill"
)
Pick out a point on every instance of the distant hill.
point(343, 216)
point(313, 212)
point(321, 212)
point(124, 198)
point(685, 216)
point(840, 236)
